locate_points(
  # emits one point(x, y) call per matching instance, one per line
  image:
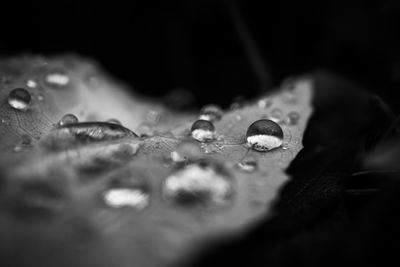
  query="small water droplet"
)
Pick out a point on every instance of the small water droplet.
point(292, 118)
point(57, 78)
point(211, 113)
point(203, 130)
point(186, 151)
point(289, 97)
point(248, 164)
point(238, 117)
point(114, 121)
point(126, 197)
point(40, 97)
point(68, 119)
point(264, 135)
point(276, 115)
point(31, 84)
point(202, 182)
point(19, 99)
point(264, 103)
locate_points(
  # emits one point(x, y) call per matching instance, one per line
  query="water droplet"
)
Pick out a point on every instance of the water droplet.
point(292, 118)
point(126, 197)
point(114, 121)
point(19, 99)
point(248, 164)
point(31, 84)
point(68, 119)
point(57, 78)
point(202, 182)
point(211, 113)
point(186, 151)
point(65, 136)
point(203, 130)
point(276, 115)
point(153, 117)
point(264, 103)
point(264, 135)
point(40, 97)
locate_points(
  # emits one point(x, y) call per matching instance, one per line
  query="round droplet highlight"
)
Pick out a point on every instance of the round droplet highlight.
point(126, 197)
point(203, 131)
point(211, 113)
point(264, 135)
point(19, 99)
point(264, 103)
point(31, 83)
point(203, 182)
point(68, 119)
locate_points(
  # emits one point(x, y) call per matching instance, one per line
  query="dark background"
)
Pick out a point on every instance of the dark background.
point(161, 45)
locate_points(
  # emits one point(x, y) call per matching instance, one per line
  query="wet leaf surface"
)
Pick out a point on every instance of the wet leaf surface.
point(72, 166)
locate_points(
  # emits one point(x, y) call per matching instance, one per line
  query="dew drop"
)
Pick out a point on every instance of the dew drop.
point(264, 135)
point(276, 115)
point(248, 164)
point(186, 151)
point(40, 97)
point(211, 113)
point(203, 130)
point(114, 121)
point(126, 197)
point(57, 78)
point(19, 99)
point(31, 84)
point(292, 118)
point(202, 182)
point(65, 136)
point(264, 103)
point(68, 119)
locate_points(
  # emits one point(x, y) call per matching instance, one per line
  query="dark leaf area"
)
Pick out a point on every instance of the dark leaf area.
point(341, 206)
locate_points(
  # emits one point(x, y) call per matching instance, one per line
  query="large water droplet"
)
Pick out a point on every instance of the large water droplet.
point(68, 119)
point(211, 113)
point(19, 99)
point(264, 135)
point(126, 197)
point(202, 182)
point(203, 130)
point(186, 151)
point(248, 164)
point(85, 132)
point(292, 118)
point(57, 78)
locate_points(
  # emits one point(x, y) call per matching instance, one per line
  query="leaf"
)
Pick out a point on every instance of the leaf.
point(52, 192)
